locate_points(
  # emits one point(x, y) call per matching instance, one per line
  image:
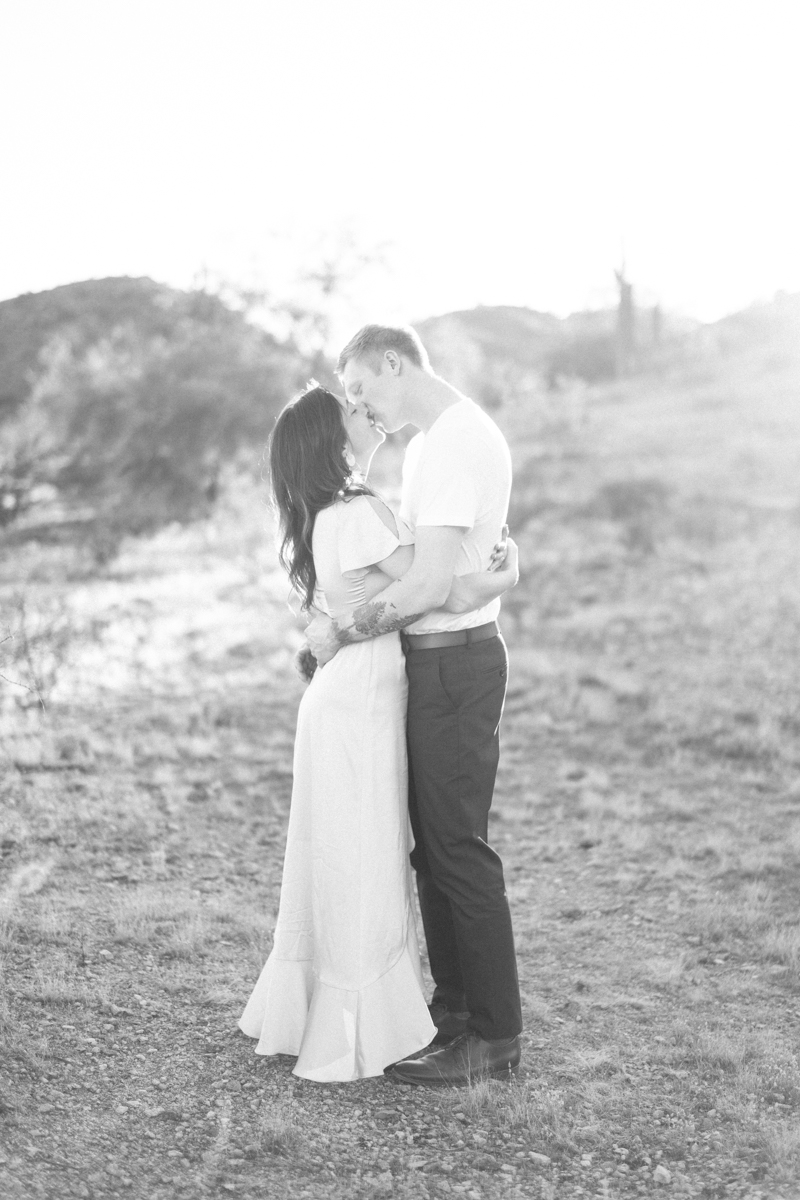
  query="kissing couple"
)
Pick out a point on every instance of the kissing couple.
point(399, 727)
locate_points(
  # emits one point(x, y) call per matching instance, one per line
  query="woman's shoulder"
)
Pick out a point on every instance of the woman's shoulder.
point(362, 505)
point(342, 511)
point(326, 517)
point(382, 510)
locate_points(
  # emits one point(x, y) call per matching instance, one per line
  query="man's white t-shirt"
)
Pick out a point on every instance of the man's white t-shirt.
point(459, 473)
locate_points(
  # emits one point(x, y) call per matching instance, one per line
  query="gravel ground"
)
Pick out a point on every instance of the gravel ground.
point(134, 949)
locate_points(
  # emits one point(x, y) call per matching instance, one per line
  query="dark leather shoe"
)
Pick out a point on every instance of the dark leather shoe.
point(449, 1025)
point(466, 1060)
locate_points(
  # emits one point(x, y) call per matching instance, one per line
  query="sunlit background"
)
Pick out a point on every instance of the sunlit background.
point(200, 201)
point(511, 152)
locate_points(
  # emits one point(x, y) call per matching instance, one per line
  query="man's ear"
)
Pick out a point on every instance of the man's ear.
point(394, 361)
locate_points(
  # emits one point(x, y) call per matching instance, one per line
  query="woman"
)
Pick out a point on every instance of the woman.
point(342, 987)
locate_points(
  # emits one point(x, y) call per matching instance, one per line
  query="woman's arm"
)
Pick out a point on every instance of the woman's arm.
point(481, 587)
point(467, 592)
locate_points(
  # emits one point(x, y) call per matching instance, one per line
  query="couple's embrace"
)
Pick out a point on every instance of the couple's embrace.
point(400, 719)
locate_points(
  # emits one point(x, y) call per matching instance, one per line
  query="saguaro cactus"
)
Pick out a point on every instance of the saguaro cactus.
point(626, 325)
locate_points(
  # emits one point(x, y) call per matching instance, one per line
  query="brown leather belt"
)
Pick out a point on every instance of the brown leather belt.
point(455, 637)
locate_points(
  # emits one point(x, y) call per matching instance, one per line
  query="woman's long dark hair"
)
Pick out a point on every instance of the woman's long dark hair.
point(308, 471)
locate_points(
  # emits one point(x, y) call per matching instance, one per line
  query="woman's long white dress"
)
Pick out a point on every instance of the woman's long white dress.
point(342, 987)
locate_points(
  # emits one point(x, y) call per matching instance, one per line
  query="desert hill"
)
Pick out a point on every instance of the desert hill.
point(85, 313)
point(489, 351)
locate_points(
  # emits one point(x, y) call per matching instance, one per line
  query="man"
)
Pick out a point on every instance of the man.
point(456, 485)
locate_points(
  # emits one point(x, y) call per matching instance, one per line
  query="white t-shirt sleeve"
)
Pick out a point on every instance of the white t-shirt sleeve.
point(446, 487)
point(363, 538)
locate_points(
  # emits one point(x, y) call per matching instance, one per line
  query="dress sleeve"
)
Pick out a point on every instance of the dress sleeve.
point(363, 537)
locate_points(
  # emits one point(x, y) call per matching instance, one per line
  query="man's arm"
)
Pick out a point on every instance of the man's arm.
point(426, 585)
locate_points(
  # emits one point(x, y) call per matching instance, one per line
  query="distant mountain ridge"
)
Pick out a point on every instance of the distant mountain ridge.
point(490, 352)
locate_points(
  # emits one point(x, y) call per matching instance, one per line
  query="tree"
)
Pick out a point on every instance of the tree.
point(133, 425)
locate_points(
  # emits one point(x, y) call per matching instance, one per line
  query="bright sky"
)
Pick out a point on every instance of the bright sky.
point(502, 151)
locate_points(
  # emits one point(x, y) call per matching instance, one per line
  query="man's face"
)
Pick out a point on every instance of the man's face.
point(378, 390)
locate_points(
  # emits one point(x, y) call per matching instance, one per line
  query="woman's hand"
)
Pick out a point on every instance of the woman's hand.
point(509, 567)
point(498, 555)
point(468, 592)
point(507, 573)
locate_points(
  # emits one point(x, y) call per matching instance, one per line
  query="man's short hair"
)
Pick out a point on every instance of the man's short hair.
point(373, 341)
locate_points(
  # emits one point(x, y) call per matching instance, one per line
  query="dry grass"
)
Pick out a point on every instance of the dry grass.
point(782, 1151)
point(538, 1112)
point(276, 1131)
point(782, 945)
point(188, 941)
point(156, 913)
point(26, 880)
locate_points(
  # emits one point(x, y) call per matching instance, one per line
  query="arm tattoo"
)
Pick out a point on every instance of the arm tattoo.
point(340, 633)
point(376, 617)
point(372, 620)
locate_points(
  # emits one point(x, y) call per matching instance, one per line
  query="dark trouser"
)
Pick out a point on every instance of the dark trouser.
point(455, 701)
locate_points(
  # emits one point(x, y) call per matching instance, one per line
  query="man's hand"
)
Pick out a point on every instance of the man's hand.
point(321, 638)
point(305, 663)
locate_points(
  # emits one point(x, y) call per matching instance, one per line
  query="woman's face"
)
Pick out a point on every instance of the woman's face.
point(363, 434)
